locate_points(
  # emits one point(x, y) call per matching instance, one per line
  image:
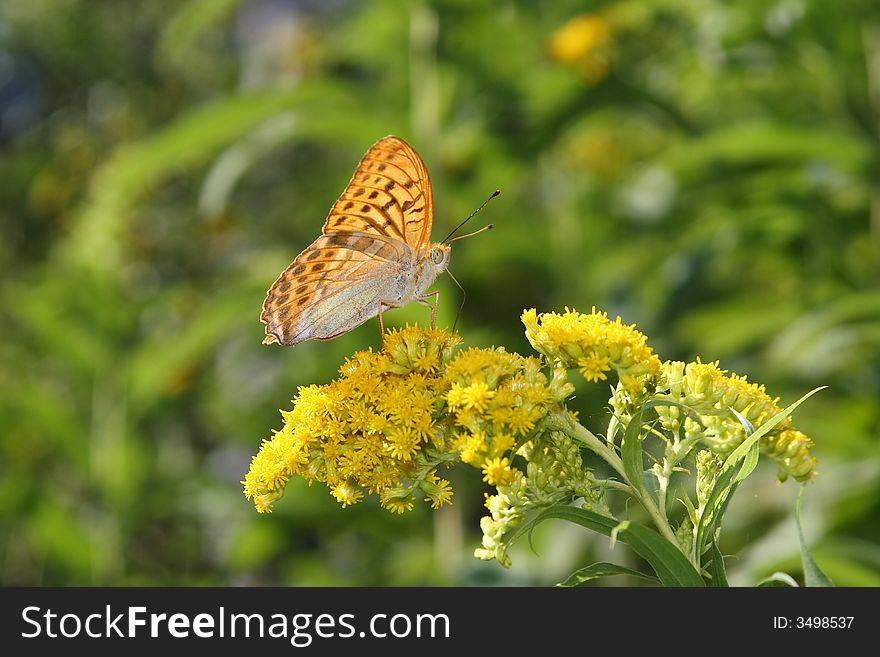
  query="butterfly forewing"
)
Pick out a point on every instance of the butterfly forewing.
point(389, 194)
point(378, 228)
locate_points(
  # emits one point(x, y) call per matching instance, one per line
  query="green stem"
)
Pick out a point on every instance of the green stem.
point(618, 485)
point(576, 431)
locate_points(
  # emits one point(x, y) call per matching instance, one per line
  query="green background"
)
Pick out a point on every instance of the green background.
point(709, 172)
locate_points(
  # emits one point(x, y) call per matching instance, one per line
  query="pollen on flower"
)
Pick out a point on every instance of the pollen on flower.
point(347, 494)
point(403, 443)
point(437, 491)
point(497, 472)
point(593, 367)
point(477, 396)
point(397, 503)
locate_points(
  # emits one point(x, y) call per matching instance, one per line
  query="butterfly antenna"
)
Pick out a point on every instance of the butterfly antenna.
point(463, 297)
point(471, 216)
point(476, 232)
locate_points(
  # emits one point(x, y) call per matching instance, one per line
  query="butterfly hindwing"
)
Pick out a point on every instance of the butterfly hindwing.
point(335, 275)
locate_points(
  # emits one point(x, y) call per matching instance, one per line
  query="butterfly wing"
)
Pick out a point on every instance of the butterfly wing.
point(333, 286)
point(389, 194)
point(379, 227)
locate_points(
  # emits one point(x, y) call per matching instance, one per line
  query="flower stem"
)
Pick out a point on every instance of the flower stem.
point(579, 433)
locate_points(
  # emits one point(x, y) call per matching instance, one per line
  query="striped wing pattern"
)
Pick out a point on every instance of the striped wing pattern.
point(379, 225)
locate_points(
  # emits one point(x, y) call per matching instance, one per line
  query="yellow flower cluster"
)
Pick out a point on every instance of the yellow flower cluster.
point(392, 417)
point(712, 392)
point(494, 398)
point(554, 475)
point(594, 344)
point(372, 430)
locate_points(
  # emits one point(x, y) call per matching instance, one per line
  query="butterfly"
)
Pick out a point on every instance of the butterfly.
point(374, 253)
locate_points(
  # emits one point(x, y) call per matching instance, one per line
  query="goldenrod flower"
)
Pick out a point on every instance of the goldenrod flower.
point(347, 493)
point(371, 430)
point(594, 344)
point(497, 471)
point(476, 395)
point(791, 449)
point(393, 417)
point(593, 367)
point(713, 394)
point(438, 491)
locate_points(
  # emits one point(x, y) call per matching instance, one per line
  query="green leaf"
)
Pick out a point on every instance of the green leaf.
point(750, 462)
point(666, 559)
point(601, 569)
point(631, 450)
point(651, 485)
point(778, 579)
point(722, 490)
point(813, 575)
point(765, 428)
point(692, 511)
point(716, 568)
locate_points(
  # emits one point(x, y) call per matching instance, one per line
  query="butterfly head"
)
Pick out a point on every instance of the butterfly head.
point(438, 254)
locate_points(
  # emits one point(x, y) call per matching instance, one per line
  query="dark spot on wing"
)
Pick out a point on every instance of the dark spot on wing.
point(314, 254)
point(381, 167)
point(359, 192)
point(318, 266)
point(409, 183)
point(388, 204)
point(301, 289)
point(284, 286)
point(349, 205)
point(299, 269)
point(303, 301)
point(374, 194)
point(365, 208)
point(389, 185)
point(407, 205)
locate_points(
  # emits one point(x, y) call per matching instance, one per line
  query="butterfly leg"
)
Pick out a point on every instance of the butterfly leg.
point(382, 306)
point(433, 307)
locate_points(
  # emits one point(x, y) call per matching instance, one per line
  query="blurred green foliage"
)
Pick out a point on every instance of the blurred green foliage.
point(708, 170)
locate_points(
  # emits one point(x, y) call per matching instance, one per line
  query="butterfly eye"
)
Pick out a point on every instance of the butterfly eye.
point(436, 256)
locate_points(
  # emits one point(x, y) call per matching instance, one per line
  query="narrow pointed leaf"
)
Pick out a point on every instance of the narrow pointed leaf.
point(671, 566)
point(778, 579)
point(813, 575)
point(601, 569)
point(716, 568)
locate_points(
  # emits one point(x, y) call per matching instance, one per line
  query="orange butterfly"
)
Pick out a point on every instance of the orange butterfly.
point(373, 253)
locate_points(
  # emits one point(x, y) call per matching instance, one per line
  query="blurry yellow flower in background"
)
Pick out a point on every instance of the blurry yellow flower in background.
point(585, 43)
